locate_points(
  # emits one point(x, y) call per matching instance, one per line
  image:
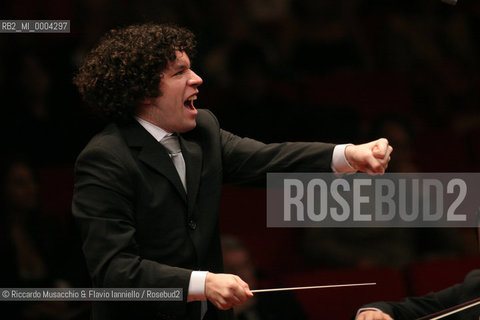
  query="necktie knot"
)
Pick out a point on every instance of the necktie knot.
point(171, 144)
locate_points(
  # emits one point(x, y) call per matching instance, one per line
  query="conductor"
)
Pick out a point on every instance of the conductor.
point(147, 188)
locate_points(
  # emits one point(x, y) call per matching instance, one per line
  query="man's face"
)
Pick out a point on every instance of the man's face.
point(173, 110)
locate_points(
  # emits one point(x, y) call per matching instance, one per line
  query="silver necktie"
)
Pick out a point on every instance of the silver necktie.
point(173, 146)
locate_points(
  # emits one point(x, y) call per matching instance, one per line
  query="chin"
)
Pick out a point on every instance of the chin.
point(188, 127)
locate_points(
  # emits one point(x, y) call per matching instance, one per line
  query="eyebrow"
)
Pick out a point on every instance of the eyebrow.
point(180, 66)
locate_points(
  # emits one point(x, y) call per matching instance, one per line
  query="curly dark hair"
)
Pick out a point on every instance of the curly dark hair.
point(127, 66)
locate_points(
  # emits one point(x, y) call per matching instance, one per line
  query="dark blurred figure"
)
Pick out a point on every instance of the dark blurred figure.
point(35, 115)
point(37, 252)
point(366, 247)
point(263, 306)
point(326, 42)
point(433, 303)
point(338, 248)
point(254, 96)
point(426, 243)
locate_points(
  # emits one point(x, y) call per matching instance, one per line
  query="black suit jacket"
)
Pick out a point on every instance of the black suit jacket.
point(416, 307)
point(139, 227)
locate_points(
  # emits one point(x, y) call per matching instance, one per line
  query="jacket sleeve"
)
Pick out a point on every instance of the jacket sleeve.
point(246, 160)
point(416, 307)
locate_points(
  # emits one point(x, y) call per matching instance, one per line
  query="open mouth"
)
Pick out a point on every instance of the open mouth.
point(189, 103)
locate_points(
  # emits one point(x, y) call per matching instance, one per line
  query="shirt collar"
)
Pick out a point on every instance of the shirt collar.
point(157, 132)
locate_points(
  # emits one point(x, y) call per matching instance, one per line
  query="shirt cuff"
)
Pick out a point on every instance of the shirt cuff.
point(365, 309)
point(196, 287)
point(339, 161)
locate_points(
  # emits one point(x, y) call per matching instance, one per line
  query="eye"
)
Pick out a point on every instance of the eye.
point(179, 72)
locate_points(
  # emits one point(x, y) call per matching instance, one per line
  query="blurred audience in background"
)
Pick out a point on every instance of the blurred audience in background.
point(291, 70)
point(294, 61)
point(263, 306)
point(38, 251)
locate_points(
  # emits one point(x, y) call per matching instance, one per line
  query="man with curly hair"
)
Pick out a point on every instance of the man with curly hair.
point(149, 215)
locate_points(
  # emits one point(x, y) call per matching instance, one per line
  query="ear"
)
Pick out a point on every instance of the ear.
point(144, 106)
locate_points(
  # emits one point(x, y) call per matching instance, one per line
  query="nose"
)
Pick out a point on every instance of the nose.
point(195, 80)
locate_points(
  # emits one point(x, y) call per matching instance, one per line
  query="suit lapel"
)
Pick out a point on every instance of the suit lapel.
point(192, 153)
point(153, 154)
point(157, 158)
